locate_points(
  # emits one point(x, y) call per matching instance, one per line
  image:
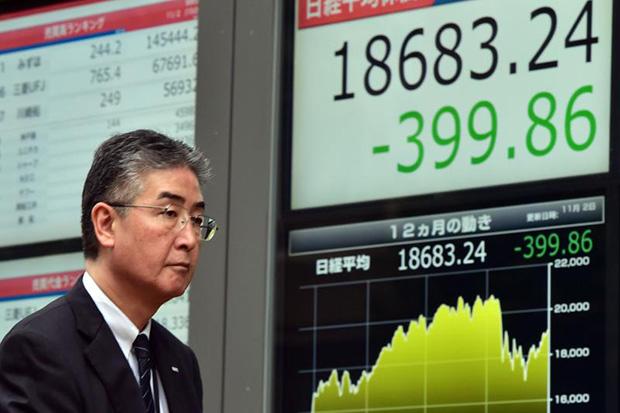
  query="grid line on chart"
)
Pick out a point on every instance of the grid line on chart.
point(367, 324)
point(417, 276)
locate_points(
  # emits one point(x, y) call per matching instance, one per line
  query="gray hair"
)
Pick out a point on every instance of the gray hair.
point(119, 165)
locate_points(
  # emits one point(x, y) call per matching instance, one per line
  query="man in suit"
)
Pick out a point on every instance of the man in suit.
point(97, 349)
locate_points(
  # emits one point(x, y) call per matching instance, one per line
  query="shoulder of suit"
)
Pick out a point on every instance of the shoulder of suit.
point(53, 327)
point(165, 334)
point(51, 318)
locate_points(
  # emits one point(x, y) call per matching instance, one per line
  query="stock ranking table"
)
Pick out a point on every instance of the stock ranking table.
point(491, 310)
point(401, 98)
point(71, 77)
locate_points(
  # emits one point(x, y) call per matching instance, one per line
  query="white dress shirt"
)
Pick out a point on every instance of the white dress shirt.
point(125, 332)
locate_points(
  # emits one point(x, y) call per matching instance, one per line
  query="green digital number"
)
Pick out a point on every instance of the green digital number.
point(550, 245)
point(580, 242)
point(544, 121)
point(529, 241)
point(580, 114)
point(482, 127)
point(541, 122)
point(554, 243)
point(417, 116)
point(480, 136)
point(454, 139)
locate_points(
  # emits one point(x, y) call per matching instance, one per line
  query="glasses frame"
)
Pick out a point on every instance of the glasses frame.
point(211, 226)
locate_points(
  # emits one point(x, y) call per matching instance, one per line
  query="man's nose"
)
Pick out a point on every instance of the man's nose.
point(188, 237)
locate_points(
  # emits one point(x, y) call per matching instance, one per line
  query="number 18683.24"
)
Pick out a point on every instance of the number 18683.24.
point(448, 65)
point(441, 255)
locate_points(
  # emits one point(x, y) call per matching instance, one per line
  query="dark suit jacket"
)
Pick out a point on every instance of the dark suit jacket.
point(65, 359)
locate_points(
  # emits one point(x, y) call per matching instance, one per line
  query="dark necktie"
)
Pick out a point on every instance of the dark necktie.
point(143, 354)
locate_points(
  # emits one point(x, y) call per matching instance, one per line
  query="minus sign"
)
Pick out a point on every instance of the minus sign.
point(381, 149)
point(517, 249)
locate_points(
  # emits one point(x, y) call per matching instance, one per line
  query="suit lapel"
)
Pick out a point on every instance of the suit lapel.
point(171, 371)
point(104, 354)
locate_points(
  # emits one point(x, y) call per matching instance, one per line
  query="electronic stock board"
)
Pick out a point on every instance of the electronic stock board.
point(449, 215)
point(71, 75)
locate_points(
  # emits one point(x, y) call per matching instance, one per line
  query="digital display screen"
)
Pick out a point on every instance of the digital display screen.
point(73, 76)
point(489, 310)
point(448, 212)
point(400, 98)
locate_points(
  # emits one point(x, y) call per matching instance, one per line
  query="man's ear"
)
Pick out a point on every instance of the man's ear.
point(104, 217)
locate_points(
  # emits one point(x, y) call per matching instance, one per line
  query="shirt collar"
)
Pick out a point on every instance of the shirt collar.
point(122, 328)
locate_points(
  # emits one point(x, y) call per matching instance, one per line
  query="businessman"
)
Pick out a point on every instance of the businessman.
point(97, 349)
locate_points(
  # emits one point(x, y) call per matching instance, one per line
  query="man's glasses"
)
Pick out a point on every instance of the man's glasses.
point(175, 217)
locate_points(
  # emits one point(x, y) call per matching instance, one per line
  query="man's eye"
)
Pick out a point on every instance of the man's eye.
point(197, 221)
point(170, 213)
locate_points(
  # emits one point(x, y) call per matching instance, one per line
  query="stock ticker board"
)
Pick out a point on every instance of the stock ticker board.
point(71, 75)
point(447, 97)
point(449, 218)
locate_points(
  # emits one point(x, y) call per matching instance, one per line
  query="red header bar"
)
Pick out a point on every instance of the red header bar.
point(43, 284)
point(136, 18)
point(321, 12)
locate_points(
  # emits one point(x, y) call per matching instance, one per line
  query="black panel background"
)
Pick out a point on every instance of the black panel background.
point(539, 191)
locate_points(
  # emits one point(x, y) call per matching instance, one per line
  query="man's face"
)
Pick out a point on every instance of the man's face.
point(150, 256)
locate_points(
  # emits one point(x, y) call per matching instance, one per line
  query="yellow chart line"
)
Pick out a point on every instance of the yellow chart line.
point(458, 335)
